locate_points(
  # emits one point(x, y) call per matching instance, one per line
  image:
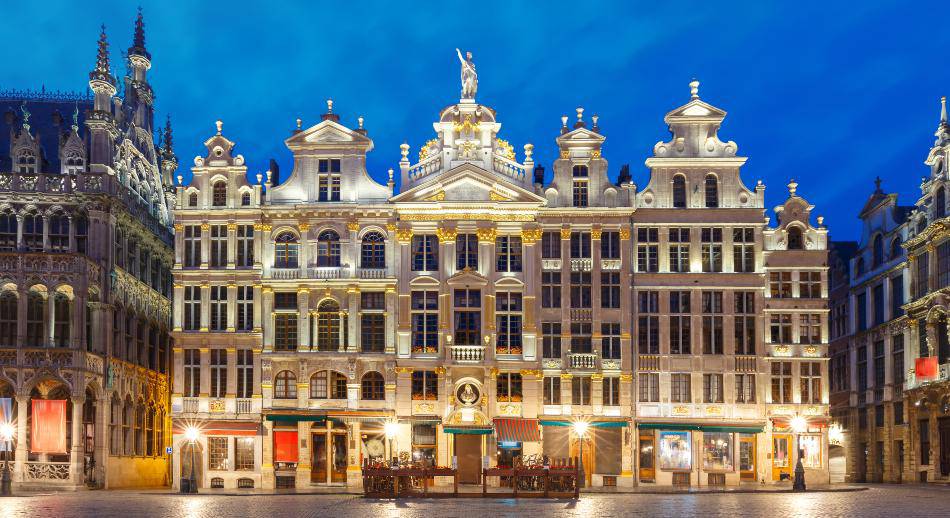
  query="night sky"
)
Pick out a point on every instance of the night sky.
point(829, 93)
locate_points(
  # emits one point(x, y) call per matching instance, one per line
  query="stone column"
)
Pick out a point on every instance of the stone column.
point(303, 455)
point(19, 232)
point(205, 245)
point(232, 307)
point(353, 322)
point(22, 301)
point(205, 307)
point(21, 454)
point(303, 256)
point(267, 311)
point(390, 320)
point(50, 319)
point(303, 320)
point(75, 449)
point(72, 234)
point(342, 317)
point(46, 245)
point(232, 246)
point(267, 454)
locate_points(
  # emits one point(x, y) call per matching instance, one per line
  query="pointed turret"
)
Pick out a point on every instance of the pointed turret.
point(943, 128)
point(101, 122)
point(101, 72)
point(169, 161)
point(138, 38)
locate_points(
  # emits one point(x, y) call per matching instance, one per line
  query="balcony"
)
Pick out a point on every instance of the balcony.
point(245, 406)
point(189, 405)
point(582, 265)
point(468, 353)
point(284, 274)
point(610, 264)
point(327, 272)
point(372, 273)
point(582, 361)
point(648, 362)
point(745, 363)
point(582, 315)
point(550, 264)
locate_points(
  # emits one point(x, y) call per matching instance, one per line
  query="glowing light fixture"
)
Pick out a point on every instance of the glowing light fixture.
point(799, 424)
point(7, 431)
point(191, 433)
point(580, 428)
point(391, 429)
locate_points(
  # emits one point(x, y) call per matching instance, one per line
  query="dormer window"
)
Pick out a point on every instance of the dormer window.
point(795, 239)
point(328, 179)
point(712, 191)
point(245, 199)
point(193, 199)
point(679, 192)
point(73, 165)
point(26, 162)
point(328, 248)
point(580, 191)
point(219, 194)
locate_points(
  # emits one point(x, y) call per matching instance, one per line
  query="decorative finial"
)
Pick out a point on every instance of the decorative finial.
point(821, 221)
point(404, 149)
point(329, 105)
point(26, 116)
point(299, 123)
point(180, 178)
point(580, 114)
point(694, 89)
point(360, 121)
point(594, 119)
point(168, 138)
point(268, 175)
point(792, 187)
point(390, 174)
point(219, 124)
point(76, 118)
point(138, 37)
point(564, 121)
point(943, 109)
point(528, 151)
point(877, 184)
point(259, 178)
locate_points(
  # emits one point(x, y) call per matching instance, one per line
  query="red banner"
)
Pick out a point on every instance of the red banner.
point(48, 431)
point(926, 368)
point(285, 446)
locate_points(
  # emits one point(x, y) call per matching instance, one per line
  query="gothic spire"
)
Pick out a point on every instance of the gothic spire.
point(168, 144)
point(102, 70)
point(138, 38)
point(943, 128)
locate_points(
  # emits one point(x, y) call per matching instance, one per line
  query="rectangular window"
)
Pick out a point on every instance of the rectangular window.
point(611, 391)
point(877, 299)
point(712, 322)
point(192, 371)
point(508, 308)
point(580, 245)
point(898, 412)
point(580, 289)
point(809, 329)
point(922, 277)
point(897, 296)
point(466, 251)
point(943, 265)
point(879, 364)
point(192, 246)
point(245, 246)
point(680, 328)
point(468, 310)
point(744, 321)
point(509, 387)
point(219, 246)
point(745, 388)
point(424, 309)
point(423, 443)
point(680, 388)
point(551, 245)
point(217, 453)
point(648, 244)
point(219, 308)
point(679, 250)
point(809, 285)
point(862, 311)
point(610, 289)
point(581, 338)
point(648, 322)
point(810, 377)
point(508, 254)
point(743, 249)
point(219, 373)
point(649, 389)
point(244, 454)
point(373, 332)
point(551, 340)
point(781, 382)
point(425, 386)
point(245, 308)
point(897, 346)
point(780, 329)
point(285, 331)
point(192, 320)
point(550, 289)
point(580, 390)
point(552, 390)
point(711, 242)
point(425, 253)
point(610, 245)
point(328, 179)
point(862, 368)
point(580, 197)
point(610, 340)
point(712, 388)
point(780, 285)
point(245, 373)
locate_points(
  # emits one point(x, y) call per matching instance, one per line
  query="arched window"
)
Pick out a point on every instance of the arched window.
point(8, 318)
point(679, 191)
point(128, 415)
point(26, 162)
point(219, 194)
point(896, 249)
point(712, 191)
point(373, 251)
point(328, 385)
point(115, 427)
point(939, 203)
point(62, 309)
point(285, 385)
point(150, 432)
point(34, 319)
point(245, 198)
point(318, 385)
point(337, 385)
point(795, 238)
point(373, 388)
point(877, 251)
point(8, 231)
point(33, 231)
point(140, 430)
point(285, 251)
point(328, 326)
point(328, 248)
point(193, 199)
point(859, 267)
point(58, 232)
point(74, 164)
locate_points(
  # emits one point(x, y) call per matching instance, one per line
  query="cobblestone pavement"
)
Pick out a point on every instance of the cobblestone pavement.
point(889, 501)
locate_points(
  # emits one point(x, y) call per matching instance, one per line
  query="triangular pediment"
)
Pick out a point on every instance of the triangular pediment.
point(330, 133)
point(696, 109)
point(468, 277)
point(468, 183)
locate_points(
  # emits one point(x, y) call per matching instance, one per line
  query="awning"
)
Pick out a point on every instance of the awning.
point(517, 430)
point(595, 424)
point(812, 422)
point(700, 427)
point(300, 418)
point(468, 429)
point(240, 428)
point(285, 446)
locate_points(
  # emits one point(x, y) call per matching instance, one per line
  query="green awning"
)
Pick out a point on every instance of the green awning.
point(468, 430)
point(700, 427)
point(300, 418)
point(554, 423)
point(596, 424)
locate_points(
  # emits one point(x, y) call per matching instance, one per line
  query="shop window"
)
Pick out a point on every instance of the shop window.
point(218, 454)
point(675, 451)
point(717, 451)
point(244, 456)
point(811, 450)
point(423, 443)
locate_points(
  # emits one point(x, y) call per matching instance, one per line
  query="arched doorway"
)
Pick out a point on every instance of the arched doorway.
point(837, 463)
point(191, 450)
point(45, 451)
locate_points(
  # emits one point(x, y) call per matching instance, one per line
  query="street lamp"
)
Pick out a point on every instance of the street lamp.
point(191, 435)
point(391, 428)
point(798, 426)
point(580, 428)
point(7, 432)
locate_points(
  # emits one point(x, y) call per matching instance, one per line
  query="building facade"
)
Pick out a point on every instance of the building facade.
point(479, 312)
point(85, 276)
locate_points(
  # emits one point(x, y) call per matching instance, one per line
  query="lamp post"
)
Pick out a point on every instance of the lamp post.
point(798, 426)
point(6, 435)
point(391, 428)
point(191, 434)
point(580, 428)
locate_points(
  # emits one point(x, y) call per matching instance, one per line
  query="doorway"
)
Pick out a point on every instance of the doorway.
point(188, 451)
point(943, 429)
point(328, 457)
point(586, 457)
point(747, 457)
point(647, 458)
point(468, 453)
point(837, 463)
point(781, 463)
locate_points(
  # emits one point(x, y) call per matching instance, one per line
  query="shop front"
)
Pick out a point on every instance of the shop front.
point(309, 449)
point(468, 447)
point(811, 440)
point(680, 454)
point(597, 445)
point(219, 454)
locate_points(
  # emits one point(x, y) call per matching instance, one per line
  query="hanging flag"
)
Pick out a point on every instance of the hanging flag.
point(925, 368)
point(6, 416)
point(48, 433)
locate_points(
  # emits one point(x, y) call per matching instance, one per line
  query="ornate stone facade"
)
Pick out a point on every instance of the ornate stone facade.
point(85, 273)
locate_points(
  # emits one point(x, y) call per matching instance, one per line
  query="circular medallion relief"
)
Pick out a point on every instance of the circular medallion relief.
point(467, 394)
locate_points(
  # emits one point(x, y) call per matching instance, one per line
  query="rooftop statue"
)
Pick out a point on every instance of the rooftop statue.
point(469, 76)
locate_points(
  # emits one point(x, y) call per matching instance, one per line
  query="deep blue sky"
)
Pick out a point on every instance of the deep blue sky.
point(830, 93)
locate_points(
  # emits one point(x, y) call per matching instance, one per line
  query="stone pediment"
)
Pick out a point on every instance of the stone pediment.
point(468, 184)
point(696, 109)
point(330, 133)
point(467, 277)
